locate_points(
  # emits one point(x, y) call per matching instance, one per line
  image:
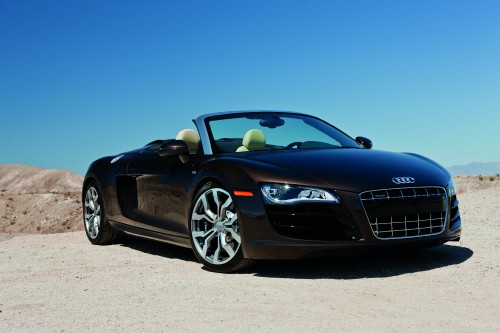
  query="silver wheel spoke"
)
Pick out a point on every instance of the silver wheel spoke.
point(227, 247)
point(206, 244)
point(199, 217)
point(203, 234)
point(217, 251)
point(224, 207)
point(97, 222)
point(206, 209)
point(216, 199)
point(235, 235)
point(232, 218)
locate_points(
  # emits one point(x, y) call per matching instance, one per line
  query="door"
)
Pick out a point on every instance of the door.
point(161, 192)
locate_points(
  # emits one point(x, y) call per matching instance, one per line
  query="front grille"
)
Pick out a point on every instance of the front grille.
point(406, 212)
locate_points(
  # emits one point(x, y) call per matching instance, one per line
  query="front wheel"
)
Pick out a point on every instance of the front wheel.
point(215, 232)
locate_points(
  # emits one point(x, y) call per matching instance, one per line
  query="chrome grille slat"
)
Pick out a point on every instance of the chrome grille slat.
point(385, 210)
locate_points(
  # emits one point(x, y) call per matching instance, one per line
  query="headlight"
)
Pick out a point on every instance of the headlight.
point(283, 194)
point(452, 188)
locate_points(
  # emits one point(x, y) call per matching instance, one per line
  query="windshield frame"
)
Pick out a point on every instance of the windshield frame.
point(208, 141)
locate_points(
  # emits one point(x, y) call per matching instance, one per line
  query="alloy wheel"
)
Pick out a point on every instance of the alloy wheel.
point(214, 227)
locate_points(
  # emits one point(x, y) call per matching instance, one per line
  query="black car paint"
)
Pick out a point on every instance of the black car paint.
point(167, 185)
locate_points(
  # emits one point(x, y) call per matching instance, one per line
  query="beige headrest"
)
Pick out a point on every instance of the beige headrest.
point(241, 149)
point(191, 138)
point(254, 139)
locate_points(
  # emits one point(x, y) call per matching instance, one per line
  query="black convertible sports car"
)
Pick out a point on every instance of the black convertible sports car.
point(269, 185)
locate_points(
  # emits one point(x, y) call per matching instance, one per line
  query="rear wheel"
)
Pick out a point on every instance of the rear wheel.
point(96, 224)
point(215, 232)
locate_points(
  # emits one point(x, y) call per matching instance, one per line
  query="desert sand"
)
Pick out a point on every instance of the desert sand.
point(62, 283)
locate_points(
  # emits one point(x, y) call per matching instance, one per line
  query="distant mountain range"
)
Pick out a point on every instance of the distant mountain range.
point(475, 168)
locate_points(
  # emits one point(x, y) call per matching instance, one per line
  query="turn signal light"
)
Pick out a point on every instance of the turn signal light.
point(243, 194)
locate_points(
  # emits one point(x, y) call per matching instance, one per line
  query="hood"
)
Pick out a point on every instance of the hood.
point(350, 169)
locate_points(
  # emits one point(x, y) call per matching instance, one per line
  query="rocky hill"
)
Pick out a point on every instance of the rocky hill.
point(491, 168)
point(37, 200)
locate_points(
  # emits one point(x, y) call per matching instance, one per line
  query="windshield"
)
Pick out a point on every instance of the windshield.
point(273, 131)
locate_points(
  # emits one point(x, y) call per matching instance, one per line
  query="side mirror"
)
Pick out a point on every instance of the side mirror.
point(367, 143)
point(174, 148)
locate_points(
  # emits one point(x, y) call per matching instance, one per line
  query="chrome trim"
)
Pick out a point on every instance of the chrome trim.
point(388, 197)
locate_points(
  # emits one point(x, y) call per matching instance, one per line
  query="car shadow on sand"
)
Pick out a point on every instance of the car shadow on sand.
point(373, 264)
point(362, 265)
point(159, 249)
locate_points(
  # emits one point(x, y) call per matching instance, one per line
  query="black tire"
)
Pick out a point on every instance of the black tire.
point(95, 222)
point(219, 248)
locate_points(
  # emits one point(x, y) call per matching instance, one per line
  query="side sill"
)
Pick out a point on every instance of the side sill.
point(147, 234)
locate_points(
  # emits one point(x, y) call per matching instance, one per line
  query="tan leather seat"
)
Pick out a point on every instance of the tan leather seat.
point(254, 139)
point(191, 138)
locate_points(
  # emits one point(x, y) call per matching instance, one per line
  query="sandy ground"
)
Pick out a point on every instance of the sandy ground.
point(61, 283)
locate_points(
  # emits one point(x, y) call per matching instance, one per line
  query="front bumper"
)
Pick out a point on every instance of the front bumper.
point(262, 241)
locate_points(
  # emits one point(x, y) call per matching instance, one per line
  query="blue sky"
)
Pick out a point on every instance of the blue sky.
point(85, 79)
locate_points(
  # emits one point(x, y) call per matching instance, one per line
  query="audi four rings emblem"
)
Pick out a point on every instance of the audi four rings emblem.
point(403, 180)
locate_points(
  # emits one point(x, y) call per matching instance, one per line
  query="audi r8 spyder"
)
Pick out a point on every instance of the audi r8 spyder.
point(269, 185)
